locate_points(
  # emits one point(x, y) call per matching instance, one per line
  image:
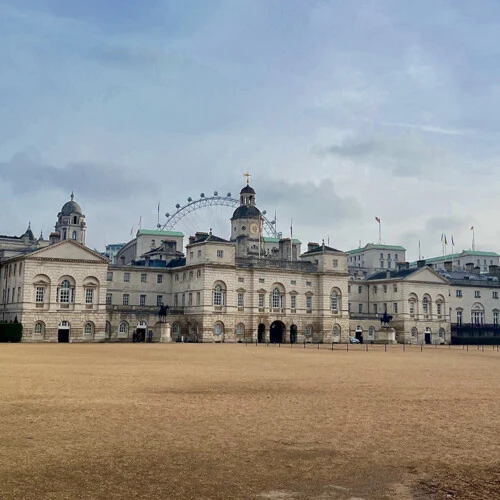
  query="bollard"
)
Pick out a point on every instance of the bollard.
point(347, 346)
point(463, 347)
point(279, 344)
point(467, 348)
point(318, 346)
point(256, 343)
point(332, 346)
point(304, 344)
point(404, 347)
point(421, 347)
point(385, 347)
point(366, 347)
point(482, 348)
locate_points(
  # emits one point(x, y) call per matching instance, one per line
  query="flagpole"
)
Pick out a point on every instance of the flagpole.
point(473, 240)
point(291, 240)
point(379, 232)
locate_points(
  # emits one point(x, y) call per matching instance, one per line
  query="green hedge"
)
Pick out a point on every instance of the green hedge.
point(11, 332)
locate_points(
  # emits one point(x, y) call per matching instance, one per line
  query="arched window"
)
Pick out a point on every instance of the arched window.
point(336, 331)
point(309, 330)
point(218, 328)
point(123, 327)
point(240, 329)
point(40, 327)
point(277, 299)
point(477, 314)
point(73, 235)
point(176, 328)
point(441, 333)
point(426, 307)
point(219, 295)
point(334, 301)
point(66, 292)
point(88, 329)
point(414, 332)
point(371, 332)
point(108, 328)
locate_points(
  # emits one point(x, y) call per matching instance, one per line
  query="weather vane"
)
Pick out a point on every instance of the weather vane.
point(247, 175)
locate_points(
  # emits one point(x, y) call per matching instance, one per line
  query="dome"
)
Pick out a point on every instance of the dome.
point(71, 207)
point(247, 189)
point(246, 211)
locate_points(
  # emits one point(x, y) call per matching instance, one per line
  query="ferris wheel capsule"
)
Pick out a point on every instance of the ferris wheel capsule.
point(216, 193)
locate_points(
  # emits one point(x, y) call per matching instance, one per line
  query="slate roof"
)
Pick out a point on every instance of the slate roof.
point(155, 232)
point(376, 246)
point(394, 274)
point(246, 211)
point(322, 248)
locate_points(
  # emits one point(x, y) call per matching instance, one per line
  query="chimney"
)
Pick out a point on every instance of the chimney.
point(54, 237)
point(388, 274)
point(311, 246)
point(477, 270)
point(285, 248)
point(192, 239)
point(469, 267)
point(421, 263)
point(403, 265)
point(448, 266)
point(494, 270)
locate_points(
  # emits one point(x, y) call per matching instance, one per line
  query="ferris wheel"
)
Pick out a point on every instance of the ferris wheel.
point(217, 210)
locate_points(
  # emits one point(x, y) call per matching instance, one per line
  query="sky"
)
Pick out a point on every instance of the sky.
point(341, 112)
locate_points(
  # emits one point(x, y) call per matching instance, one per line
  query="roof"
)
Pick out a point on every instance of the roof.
point(377, 246)
point(181, 261)
point(463, 253)
point(322, 248)
point(478, 253)
point(246, 211)
point(247, 189)
point(71, 207)
point(267, 239)
point(155, 232)
point(208, 238)
point(403, 273)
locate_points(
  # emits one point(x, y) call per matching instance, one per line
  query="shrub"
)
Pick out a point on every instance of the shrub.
point(11, 332)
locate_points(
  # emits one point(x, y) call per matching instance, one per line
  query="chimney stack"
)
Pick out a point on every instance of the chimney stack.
point(448, 266)
point(421, 263)
point(311, 246)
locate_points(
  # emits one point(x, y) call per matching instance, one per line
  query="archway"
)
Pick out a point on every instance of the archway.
point(261, 332)
point(293, 334)
point(276, 332)
point(359, 333)
point(63, 331)
point(428, 334)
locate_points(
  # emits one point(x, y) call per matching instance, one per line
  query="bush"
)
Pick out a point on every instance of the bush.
point(11, 332)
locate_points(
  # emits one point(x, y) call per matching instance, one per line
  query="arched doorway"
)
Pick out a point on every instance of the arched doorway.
point(276, 332)
point(359, 333)
point(428, 334)
point(261, 333)
point(63, 331)
point(141, 331)
point(293, 334)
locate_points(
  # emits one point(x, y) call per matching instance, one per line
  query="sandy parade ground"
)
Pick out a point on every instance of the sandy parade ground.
point(217, 421)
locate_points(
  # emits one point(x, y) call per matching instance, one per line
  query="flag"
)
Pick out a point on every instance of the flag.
point(377, 219)
point(291, 229)
point(140, 220)
point(445, 240)
point(442, 236)
point(471, 228)
point(452, 242)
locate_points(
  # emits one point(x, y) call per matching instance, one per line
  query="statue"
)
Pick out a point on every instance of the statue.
point(385, 319)
point(162, 313)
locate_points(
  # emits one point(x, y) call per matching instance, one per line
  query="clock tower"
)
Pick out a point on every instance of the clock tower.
point(245, 224)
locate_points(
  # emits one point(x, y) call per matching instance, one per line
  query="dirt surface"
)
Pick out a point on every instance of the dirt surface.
point(235, 421)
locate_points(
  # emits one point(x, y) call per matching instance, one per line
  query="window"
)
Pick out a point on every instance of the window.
point(153, 243)
point(371, 332)
point(334, 302)
point(495, 295)
point(177, 277)
point(375, 307)
point(441, 333)
point(176, 300)
point(308, 283)
point(381, 264)
point(39, 327)
point(395, 307)
point(396, 258)
point(240, 299)
point(395, 288)
point(348, 288)
point(126, 277)
point(88, 329)
point(385, 307)
point(438, 309)
point(240, 329)
point(126, 298)
point(124, 327)
point(425, 306)
point(335, 263)
point(159, 300)
point(375, 288)
point(40, 294)
point(293, 282)
point(190, 299)
point(89, 296)
point(199, 253)
point(191, 255)
point(389, 256)
point(495, 318)
point(477, 318)
point(293, 302)
point(360, 308)
point(360, 289)
point(309, 303)
point(277, 299)
point(458, 293)
point(65, 292)
point(477, 294)
point(159, 278)
point(220, 254)
point(308, 330)
point(241, 280)
point(109, 276)
point(412, 307)
point(198, 297)
point(142, 300)
point(261, 280)
point(413, 332)
point(261, 301)
point(218, 329)
point(109, 299)
point(459, 318)
point(73, 235)
point(381, 256)
point(184, 276)
point(336, 331)
point(218, 295)
point(385, 288)
point(183, 299)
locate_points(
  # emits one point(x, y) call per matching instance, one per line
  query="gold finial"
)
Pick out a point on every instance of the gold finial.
point(247, 175)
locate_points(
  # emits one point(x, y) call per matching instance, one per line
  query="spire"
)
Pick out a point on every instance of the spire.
point(72, 196)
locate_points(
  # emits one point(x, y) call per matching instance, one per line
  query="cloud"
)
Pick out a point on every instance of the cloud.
point(26, 173)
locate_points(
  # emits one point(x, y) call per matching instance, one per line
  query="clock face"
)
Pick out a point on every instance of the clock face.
point(254, 228)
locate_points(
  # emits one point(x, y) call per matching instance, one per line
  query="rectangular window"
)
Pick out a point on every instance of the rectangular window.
point(438, 309)
point(40, 294)
point(240, 300)
point(89, 296)
point(293, 282)
point(395, 307)
point(412, 308)
point(395, 288)
point(396, 257)
point(458, 293)
point(261, 280)
point(360, 308)
point(190, 299)
point(261, 301)
point(495, 318)
point(159, 300)
point(385, 288)
point(293, 302)
point(190, 275)
point(198, 297)
point(375, 307)
point(360, 289)
point(220, 254)
point(495, 295)
point(309, 303)
point(109, 276)
point(375, 288)
point(241, 280)
point(308, 283)
point(199, 253)
point(388, 255)
point(153, 243)
point(159, 278)
point(191, 255)
point(198, 273)
point(381, 256)
point(183, 299)
point(381, 264)
point(477, 294)
point(143, 277)
point(459, 318)
point(385, 307)
point(126, 277)
point(348, 288)
point(109, 299)
point(126, 298)
point(177, 277)
point(335, 263)
point(19, 294)
point(176, 300)
point(142, 300)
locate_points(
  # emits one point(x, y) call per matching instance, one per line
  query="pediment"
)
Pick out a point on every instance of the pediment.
point(428, 275)
point(68, 250)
